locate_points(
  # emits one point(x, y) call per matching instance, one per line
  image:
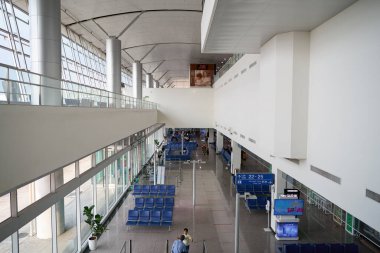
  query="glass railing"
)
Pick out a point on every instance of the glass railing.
point(229, 63)
point(24, 87)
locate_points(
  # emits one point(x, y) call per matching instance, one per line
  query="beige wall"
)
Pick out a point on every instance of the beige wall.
point(37, 140)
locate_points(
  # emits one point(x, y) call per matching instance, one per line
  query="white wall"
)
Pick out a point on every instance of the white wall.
point(343, 136)
point(183, 108)
point(36, 140)
point(344, 132)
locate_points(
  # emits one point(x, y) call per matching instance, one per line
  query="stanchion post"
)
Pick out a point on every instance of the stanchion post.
point(237, 223)
point(130, 246)
point(193, 183)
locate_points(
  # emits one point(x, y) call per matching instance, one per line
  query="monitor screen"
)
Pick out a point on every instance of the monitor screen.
point(288, 206)
point(287, 229)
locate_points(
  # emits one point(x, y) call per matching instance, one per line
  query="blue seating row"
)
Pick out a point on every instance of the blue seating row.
point(253, 189)
point(154, 190)
point(173, 155)
point(319, 248)
point(158, 203)
point(149, 218)
point(258, 203)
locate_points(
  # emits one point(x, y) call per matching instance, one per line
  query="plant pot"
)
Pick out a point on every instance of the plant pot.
point(92, 242)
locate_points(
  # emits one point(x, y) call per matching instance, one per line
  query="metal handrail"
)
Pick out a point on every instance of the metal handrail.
point(79, 92)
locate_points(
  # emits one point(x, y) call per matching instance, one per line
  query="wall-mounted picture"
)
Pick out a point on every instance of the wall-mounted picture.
point(202, 75)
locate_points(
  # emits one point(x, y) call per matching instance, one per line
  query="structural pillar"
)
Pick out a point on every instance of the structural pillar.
point(113, 61)
point(235, 156)
point(45, 50)
point(219, 141)
point(149, 80)
point(211, 132)
point(137, 80)
point(156, 84)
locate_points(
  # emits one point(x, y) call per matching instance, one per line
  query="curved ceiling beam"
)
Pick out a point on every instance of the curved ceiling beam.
point(162, 43)
point(132, 12)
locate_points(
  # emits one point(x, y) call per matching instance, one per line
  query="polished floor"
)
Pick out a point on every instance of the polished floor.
point(212, 218)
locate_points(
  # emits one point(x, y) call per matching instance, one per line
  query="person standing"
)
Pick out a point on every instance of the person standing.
point(187, 239)
point(178, 245)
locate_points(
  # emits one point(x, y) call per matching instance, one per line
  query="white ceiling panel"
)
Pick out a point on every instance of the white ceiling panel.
point(243, 26)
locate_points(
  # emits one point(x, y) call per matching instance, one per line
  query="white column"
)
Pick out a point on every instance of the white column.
point(211, 132)
point(137, 80)
point(45, 49)
point(219, 141)
point(235, 156)
point(149, 81)
point(156, 84)
point(113, 61)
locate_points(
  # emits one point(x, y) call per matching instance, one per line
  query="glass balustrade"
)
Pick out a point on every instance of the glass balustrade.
point(23, 87)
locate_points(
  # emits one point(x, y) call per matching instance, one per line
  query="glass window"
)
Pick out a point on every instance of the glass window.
point(119, 174)
point(85, 199)
point(36, 236)
point(85, 164)
point(126, 171)
point(29, 193)
point(64, 175)
point(110, 150)
point(99, 156)
point(6, 245)
point(111, 184)
point(5, 207)
point(100, 193)
point(66, 224)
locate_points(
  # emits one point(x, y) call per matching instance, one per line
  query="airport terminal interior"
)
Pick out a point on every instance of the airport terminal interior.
point(253, 124)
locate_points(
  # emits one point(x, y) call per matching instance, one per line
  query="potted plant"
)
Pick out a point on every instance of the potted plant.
point(96, 227)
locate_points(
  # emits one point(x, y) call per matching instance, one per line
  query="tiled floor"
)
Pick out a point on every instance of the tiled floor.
point(212, 219)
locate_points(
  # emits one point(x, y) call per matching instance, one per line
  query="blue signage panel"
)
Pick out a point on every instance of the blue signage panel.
point(288, 206)
point(249, 178)
point(287, 229)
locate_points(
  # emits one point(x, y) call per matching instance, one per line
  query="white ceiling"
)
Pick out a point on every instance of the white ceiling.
point(243, 26)
point(170, 27)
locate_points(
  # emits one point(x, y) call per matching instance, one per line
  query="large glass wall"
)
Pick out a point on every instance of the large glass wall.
point(62, 225)
point(67, 239)
point(81, 61)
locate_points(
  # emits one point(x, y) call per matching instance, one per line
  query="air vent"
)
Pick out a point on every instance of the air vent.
point(252, 65)
point(242, 136)
point(372, 195)
point(243, 71)
point(236, 75)
point(251, 140)
point(326, 174)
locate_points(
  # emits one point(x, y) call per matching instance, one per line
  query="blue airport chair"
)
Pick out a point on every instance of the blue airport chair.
point(167, 218)
point(145, 190)
point(291, 248)
point(169, 202)
point(351, 248)
point(149, 203)
point(322, 248)
point(307, 248)
point(153, 190)
point(144, 218)
point(162, 190)
point(261, 202)
point(155, 218)
point(133, 217)
point(336, 248)
point(170, 190)
point(137, 189)
point(252, 203)
point(159, 203)
point(139, 203)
